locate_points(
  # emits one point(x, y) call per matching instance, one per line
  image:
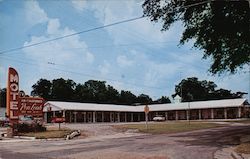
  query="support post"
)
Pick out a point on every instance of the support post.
point(187, 115)
point(199, 114)
point(70, 116)
point(102, 116)
point(94, 116)
point(63, 113)
point(110, 117)
point(212, 113)
point(84, 117)
point(45, 117)
point(75, 117)
point(225, 113)
point(176, 115)
point(166, 115)
point(125, 117)
point(118, 116)
point(132, 117)
point(239, 112)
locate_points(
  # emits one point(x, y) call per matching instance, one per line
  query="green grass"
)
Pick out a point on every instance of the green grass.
point(168, 127)
point(48, 134)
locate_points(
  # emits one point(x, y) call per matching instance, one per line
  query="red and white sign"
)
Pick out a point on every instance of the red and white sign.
point(12, 94)
point(31, 106)
point(58, 120)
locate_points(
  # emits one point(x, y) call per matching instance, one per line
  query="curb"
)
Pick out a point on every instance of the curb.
point(24, 137)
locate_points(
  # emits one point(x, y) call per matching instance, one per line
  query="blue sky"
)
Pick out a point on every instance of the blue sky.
point(134, 56)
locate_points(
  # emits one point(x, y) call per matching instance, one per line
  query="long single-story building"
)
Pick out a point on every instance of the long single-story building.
point(90, 112)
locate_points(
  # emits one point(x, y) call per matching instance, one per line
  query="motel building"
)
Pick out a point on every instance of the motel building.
point(90, 113)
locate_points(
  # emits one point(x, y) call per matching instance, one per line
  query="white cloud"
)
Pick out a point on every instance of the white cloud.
point(69, 51)
point(139, 30)
point(79, 4)
point(123, 61)
point(34, 14)
point(104, 68)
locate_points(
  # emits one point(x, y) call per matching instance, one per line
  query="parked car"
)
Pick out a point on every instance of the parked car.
point(26, 120)
point(4, 121)
point(159, 118)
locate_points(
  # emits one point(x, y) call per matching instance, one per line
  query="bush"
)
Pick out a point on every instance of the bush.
point(24, 128)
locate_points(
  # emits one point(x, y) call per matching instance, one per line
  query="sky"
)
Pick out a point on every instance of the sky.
point(135, 56)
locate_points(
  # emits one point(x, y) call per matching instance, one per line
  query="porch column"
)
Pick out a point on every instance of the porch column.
point(102, 116)
point(199, 114)
point(166, 115)
point(75, 117)
point(176, 115)
point(45, 117)
point(125, 117)
point(225, 113)
point(85, 117)
point(94, 118)
point(54, 114)
point(110, 117)
point(118, 116)
point(132, 117)
point(70, 117)
point(63, 113)
point(212, 113)
point(239, 112)
point(187, 114)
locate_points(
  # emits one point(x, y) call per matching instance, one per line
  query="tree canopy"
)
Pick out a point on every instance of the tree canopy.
point(191, 89)
point(219, 28)
point(92, 91)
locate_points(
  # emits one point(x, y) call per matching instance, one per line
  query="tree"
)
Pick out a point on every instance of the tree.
point(191, 89)
point(112, 95)
point(3, 97)
point(144, 99)
point(162, 100)
point(95, 91)
point(42, 88)
point(62, 90)
point(220, 28)
point(128, 98)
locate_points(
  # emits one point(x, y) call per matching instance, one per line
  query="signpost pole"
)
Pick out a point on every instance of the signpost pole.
point(146, 110)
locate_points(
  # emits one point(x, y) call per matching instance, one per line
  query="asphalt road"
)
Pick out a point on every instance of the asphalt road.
point(192, 145)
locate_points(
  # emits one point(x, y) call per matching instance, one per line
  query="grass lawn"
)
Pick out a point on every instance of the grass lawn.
point(243, 148)
point(168, 127)
point(49, 134)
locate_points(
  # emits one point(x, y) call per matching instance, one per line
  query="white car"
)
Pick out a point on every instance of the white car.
point(159, 118)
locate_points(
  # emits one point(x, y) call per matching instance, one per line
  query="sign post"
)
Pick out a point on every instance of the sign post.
point(146, 110)
point(59, 120)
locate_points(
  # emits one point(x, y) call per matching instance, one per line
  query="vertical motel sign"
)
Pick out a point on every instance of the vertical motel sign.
point(12, 95)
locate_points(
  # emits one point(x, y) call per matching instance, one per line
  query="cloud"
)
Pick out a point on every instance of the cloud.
point(104, 68)
point(34, 14)
point(79, 5)
point(123, 61)
point(138, 30)
point(69, 52)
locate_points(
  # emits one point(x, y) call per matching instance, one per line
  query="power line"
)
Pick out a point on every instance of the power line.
point(87, 75)
point(69, 35)
point(89, 30)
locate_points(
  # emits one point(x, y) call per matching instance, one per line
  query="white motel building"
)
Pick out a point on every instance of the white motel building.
point(90, 112)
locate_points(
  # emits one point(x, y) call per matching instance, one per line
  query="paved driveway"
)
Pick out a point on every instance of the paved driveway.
point(193, 145)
